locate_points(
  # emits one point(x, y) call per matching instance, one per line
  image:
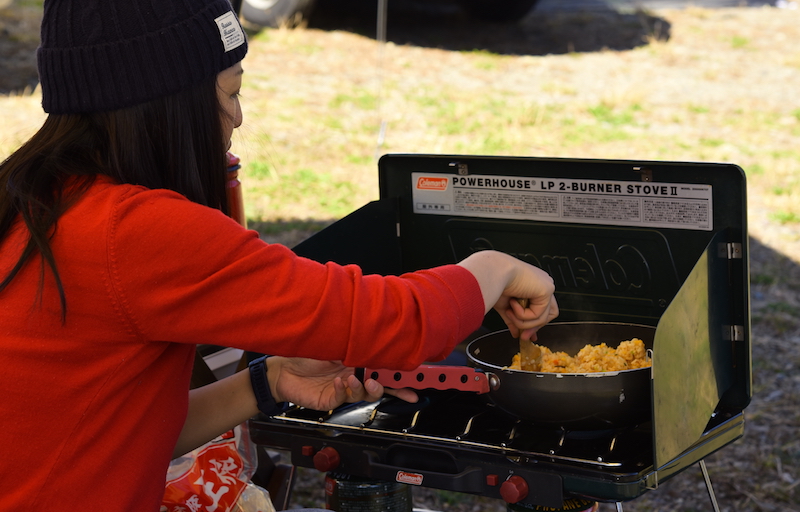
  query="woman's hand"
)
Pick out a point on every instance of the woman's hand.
point(502, 279)
point(319, 385)
point(323, 385)
point(523, 322)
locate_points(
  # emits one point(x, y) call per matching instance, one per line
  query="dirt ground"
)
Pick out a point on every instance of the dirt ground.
point(19, 37)
point(760, 472)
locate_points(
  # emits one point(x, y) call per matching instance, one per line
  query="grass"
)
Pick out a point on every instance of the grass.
point(784, 217)
point(322, 190)
point(551, 117)
point(321, 106)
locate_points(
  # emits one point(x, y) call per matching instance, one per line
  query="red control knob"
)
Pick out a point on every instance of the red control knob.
point(514, 489)
point(327, 459)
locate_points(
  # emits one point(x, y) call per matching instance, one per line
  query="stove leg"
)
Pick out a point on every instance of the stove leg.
point(709, 488)
point(619, 506)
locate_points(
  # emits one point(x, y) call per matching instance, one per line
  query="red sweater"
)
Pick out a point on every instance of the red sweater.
point(91, 409)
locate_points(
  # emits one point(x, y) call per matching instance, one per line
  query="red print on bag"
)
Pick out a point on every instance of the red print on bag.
point(212, 484)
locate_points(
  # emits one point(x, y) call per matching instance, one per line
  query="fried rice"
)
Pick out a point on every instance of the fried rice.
point(629, 355)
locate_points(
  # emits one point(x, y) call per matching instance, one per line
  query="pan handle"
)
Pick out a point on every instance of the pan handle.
point(462, 378)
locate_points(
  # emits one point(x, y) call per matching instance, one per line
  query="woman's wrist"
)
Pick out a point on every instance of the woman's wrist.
point(493, 270)
point(263, 385)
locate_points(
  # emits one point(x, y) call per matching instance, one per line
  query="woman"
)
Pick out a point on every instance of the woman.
point(116, 259)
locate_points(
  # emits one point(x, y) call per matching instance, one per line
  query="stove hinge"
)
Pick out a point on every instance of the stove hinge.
point(651, 482)
point(460, 167)
point(733, 332)
point(730, 250)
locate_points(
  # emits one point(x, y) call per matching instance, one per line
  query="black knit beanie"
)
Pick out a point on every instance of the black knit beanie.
point(99, 55)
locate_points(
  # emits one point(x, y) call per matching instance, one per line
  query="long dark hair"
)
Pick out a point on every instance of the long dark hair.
point(175, 142)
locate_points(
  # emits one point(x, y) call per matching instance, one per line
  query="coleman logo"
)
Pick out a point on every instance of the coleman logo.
point(409, 478)
point(424, 183)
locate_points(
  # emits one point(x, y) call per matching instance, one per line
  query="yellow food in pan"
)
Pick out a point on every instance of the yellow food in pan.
point(628, 355)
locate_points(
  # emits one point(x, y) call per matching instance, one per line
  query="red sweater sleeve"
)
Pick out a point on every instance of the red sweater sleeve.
point(186, 273)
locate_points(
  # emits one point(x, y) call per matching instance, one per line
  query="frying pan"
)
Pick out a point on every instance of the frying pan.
point(573, 401)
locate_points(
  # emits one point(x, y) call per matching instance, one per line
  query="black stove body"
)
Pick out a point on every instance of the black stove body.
point(662, 244)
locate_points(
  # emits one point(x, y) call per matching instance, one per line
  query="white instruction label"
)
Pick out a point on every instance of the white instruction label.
point(616, 203)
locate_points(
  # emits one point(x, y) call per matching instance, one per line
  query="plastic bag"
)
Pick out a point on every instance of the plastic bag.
point(216, 478)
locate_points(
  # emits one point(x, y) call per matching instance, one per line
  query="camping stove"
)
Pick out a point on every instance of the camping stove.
point(662, 244)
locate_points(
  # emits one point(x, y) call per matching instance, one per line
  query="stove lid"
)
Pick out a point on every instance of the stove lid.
point(653, 243)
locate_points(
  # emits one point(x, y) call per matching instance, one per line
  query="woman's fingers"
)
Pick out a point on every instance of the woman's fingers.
point(524, 322)
point(408, 395)
point(372, 391)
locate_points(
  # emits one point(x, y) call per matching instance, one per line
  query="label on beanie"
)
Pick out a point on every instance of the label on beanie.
point(230, 31)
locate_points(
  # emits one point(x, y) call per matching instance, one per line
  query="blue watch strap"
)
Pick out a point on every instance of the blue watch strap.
point(258, 378)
